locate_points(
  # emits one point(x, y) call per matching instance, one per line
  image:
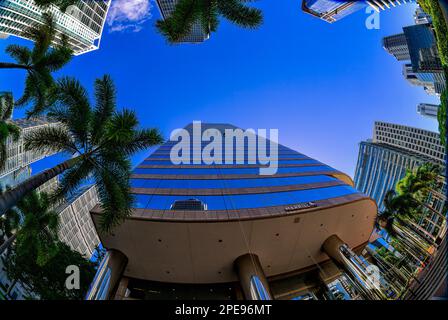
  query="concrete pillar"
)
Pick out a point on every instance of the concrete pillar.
point(366, 279)
point(252, 279)
point(107, 276)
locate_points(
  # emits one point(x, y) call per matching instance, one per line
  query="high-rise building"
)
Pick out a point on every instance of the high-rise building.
point(383, 161)
point(83, 23)
point(397, 46)
point(17, 156)
point(76, 227)
point(422, 142)
point(421, 17)
point(197, 33)
point(331, 10)
point(428, 110)
point(417, 44)
point(334, 10)
point(197, 229)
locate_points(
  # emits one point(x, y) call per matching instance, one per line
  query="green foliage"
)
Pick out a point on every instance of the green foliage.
point(432, 7)
point(102, 137)
point(47, 281)
point(441, 116)
point(407, 201)
point(206, 12)
point(40, 63)
point(39, 259)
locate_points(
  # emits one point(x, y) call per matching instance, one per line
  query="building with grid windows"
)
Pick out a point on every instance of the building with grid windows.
point(225, 231)
point(83, 23)
point(76, 227)
point(383, 161)
point(17, 156)
point(197, 33)
point(397, 46)
point(428, 110)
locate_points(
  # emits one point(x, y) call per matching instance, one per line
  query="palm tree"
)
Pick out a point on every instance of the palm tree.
point(7, 128)
point(206, 12)
point(98, 139)
point(393, 219)
point(39, 227)
point(39, 63)
point(419, 183)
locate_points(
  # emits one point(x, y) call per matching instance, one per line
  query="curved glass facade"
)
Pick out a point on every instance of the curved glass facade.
point(305, 180)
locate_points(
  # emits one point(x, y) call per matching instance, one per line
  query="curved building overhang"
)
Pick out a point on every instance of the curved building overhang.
point(201, 246)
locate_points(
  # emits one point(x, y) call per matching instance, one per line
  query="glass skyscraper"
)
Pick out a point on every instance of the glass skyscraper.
point(334, 10)
point(383, 161)
point(417, 45)
point(82, 23)
point(203, 223)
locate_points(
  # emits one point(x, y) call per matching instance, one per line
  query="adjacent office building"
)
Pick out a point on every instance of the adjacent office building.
point(397, 46)
point(224, 231)
point(83, 23)
point(197, 33)
point(76, 227)
point(417, 45)
point(334, 10)
point(428, 110)
point(383, 161)
point(17, 156)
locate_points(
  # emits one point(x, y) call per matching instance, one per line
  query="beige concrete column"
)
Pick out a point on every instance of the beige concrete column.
point(107, 276)
point(252, 279)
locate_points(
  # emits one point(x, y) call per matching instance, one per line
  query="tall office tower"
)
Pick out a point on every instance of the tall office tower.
point(383, 161)
point(397, 46)
point(412, 78)
point(76, 227)
point(417, 44)
point(424, 55)
point(428, 110)
point(334, 10)
point(421, 17)
point(331, 10)
point(197, 34)
point(17, 157)
point(83, 23)
point(198, 228)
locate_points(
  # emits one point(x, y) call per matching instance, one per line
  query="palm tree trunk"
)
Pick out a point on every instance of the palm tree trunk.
point(10, 198)
point(5, 245)
point(7, 65)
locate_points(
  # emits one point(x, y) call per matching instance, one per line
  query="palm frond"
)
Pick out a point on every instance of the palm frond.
point(240, 14)
point(6, 106)
point(72, 179)
point(50, 139)
point(74, 98)
point(180, 23)
point(19, 53)
point(105, 96)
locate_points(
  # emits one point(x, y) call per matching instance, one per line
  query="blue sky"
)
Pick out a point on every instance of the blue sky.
point(321, 85)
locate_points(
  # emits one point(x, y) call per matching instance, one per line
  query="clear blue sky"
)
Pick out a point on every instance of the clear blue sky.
point(322, 85)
